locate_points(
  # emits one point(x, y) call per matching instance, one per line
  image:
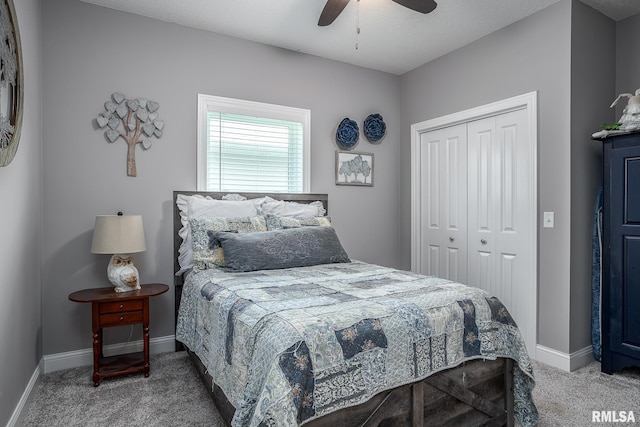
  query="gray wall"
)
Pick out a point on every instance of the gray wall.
point(563, 52)
point(530, 55)
point(592, 90)
point(627, 58)
point(90, 52)
point(21, 229)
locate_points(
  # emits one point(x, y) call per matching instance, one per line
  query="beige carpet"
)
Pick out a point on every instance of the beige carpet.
point(171, 396)
point(568, 399)
point(174, 396)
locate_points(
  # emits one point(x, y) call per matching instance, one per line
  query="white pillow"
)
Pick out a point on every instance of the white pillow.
point(233, 197)
point(207, 208)
point(292, 209)
point(197, 207)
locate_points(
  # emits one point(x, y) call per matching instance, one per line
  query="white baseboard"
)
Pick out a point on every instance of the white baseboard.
point(22, 403)
point(564, 361)
point(84, 357)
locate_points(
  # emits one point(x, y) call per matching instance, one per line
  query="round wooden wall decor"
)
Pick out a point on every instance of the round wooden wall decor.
point(11, 81)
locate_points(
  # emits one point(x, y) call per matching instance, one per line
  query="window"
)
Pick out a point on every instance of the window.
point(250, 146)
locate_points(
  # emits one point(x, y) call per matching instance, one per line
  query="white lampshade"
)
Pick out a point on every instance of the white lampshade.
point(118, 234)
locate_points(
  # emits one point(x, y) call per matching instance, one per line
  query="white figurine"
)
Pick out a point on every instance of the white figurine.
point(630, 119)
point(123, 274)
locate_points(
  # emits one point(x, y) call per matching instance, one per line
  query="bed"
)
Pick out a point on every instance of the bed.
point(336, 341)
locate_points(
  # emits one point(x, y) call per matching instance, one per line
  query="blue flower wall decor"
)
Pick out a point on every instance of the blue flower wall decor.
point(347, 134)
point(374, 127)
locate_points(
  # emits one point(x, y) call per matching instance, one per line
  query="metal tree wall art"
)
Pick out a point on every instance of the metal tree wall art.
point(134, 120)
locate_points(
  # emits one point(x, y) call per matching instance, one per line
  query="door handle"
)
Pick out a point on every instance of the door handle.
point(451, 239)
point(484, 242)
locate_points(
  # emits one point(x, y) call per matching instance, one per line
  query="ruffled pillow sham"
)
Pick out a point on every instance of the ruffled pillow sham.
point(197, 206)
point(292, 209)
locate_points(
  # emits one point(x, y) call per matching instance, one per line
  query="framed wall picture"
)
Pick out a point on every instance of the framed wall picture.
point(354, 168)
point(11, 82)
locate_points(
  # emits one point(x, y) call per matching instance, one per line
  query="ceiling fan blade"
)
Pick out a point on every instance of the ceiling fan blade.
point(422, 6)
point(331, 10)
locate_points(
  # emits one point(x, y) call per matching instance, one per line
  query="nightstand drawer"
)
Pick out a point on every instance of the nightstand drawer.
point(119, 307)
point(117, 319)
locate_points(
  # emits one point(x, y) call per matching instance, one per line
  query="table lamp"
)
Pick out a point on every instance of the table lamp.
point(120, 235)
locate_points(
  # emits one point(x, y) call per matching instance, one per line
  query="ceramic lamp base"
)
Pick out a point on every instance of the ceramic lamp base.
point(123, 274)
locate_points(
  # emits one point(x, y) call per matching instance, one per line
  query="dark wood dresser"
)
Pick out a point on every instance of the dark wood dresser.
point(621, 253)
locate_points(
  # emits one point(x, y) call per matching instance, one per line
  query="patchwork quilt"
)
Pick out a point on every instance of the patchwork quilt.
point(288, 346)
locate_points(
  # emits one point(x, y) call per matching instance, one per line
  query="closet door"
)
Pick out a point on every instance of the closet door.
point(500, 209)
point(444, 203)
point(474, 203)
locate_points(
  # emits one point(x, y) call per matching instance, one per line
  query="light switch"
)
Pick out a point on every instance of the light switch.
point(548, 220)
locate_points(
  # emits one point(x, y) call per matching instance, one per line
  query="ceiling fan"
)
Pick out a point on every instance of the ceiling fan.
point(333, 8)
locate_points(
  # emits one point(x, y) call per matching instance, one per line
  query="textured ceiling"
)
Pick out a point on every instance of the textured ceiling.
point(393, 39)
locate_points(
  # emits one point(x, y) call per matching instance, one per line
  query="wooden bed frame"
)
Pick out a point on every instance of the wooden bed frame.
point(475, 393)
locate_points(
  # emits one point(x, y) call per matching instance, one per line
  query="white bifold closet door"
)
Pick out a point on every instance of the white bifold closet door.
point(444, 203)
point(477, 206)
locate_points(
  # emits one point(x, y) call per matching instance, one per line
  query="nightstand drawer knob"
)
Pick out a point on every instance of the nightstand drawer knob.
point(121, 318)
point(121, 305)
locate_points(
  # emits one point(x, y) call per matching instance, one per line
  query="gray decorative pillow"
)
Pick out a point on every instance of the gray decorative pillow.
point(207, 252)
point(293, 247)
point(282, 222)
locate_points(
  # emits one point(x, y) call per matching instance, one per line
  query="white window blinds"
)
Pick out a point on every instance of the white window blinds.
point(252, 147)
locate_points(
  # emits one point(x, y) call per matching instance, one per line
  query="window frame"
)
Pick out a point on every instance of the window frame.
point(207, 103)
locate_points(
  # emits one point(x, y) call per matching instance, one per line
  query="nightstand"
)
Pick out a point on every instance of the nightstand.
point(110, 308)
